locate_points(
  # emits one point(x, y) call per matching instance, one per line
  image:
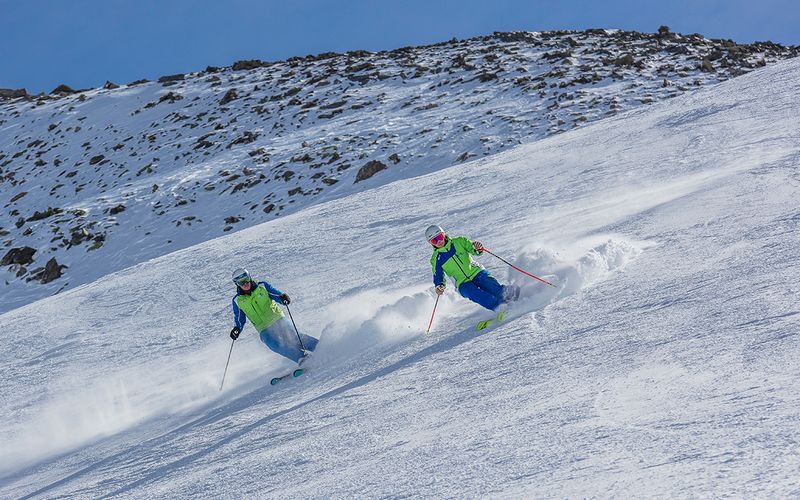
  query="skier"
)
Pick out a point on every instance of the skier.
point(256, 302)
point(452, 256)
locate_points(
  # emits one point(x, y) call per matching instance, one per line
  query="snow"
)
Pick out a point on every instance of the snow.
point(664, 363)
point(180, 163)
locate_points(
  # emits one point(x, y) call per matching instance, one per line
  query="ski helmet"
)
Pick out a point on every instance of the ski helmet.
point(432, 231)
point(241, 276)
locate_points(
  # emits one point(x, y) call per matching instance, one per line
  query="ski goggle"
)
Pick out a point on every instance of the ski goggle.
point(437, 239)
point(242, 279)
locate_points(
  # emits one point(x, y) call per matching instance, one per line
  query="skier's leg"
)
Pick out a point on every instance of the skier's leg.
point(471, 291)
point(276, 338)
point(486, 282)
point(309, 342)
point(289, 335)
point(506, 293)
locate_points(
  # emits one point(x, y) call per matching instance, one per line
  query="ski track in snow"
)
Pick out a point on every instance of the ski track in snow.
point(664, 363)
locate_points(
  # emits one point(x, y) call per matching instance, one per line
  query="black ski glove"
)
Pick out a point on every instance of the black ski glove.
point(285, 299)
point(235, 332)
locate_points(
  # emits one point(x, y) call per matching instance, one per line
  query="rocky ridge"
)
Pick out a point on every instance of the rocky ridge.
point(125, 173)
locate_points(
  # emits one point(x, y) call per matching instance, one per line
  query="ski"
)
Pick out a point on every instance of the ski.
point(482, 325)
point(294, 374)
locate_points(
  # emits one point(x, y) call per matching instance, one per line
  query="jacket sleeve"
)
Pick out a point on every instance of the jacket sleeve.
point(466, 245)
point(239, 318)
point(273, 292)
point(438, 272)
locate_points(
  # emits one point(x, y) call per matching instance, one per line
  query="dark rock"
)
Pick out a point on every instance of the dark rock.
point(246, 138)
point(12, 93)
point(171, 78)
point(45, 214)
point(96, 159)
point(706, 66)
point(212, 69)
point(232, 219)
point(663, 32)
point(368, 170)
point(18, 196)
point(115, 210)
point(553, 56)
point(625, 60)
point(109, 85)
point(78, 236)
point(678, 49)
point(171, 97)
point(333, 105)
point(247, 64)
point(138, 82)
point(63, 90)
point(466, 155)
point(306, 158)
point(203, 142)
point(50, 272)
point(515, 36)
point(21, 255)
point(228, 97)
point(395, 158)
point(330, 181)
point(460, 61)
point(362, 79)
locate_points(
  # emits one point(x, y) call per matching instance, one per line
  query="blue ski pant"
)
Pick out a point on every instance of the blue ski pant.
point(282, 338)
point(483, 289)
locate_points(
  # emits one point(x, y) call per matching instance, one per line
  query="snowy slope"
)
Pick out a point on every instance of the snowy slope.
point(665, 364)
point(103, 179)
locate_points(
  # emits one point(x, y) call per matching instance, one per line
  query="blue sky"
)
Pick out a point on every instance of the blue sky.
point(83, 43)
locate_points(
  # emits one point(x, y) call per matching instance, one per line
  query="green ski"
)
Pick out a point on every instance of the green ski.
point(296, 373)
point(482, 325)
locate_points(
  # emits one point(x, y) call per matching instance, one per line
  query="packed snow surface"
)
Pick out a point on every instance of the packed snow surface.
point(664, 362)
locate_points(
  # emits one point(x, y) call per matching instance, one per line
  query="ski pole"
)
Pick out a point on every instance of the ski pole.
point(226, 366)
point(518, 269)
point(434, 312)
point(295, 329)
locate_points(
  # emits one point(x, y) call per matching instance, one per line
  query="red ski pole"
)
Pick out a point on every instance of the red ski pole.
point(434, 312)
point(518, 269)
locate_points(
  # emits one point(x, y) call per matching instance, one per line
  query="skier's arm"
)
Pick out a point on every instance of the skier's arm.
point(239, 318)
point(467, 245)
point(273, 292)
point(438, 272)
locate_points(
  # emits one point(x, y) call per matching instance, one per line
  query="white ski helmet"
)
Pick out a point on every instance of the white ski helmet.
point(432, 231)
point(241, 276)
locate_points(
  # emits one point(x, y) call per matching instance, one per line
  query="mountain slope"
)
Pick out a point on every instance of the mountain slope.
point(103, 179)
point(664, 364)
